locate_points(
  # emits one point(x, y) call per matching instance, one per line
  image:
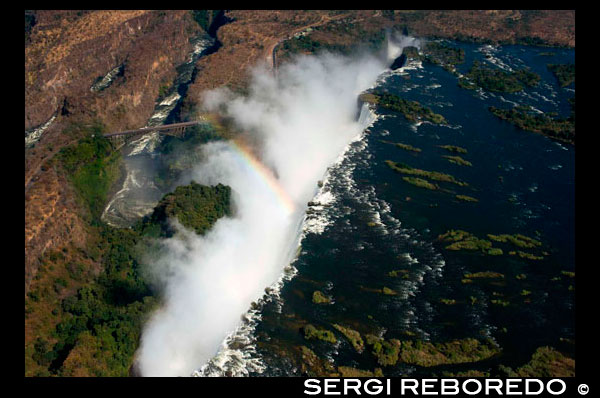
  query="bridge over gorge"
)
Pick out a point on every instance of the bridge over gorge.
point(175, 129)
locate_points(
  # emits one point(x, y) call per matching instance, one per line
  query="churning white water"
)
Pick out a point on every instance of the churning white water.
point(302, 122)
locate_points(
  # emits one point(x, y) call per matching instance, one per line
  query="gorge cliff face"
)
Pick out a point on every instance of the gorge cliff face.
point(66, 52)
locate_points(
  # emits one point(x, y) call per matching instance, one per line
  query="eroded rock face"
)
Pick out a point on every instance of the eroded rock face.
point(69, 52)
point(66, 54)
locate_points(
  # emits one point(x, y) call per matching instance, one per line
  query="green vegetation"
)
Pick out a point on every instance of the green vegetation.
point(306, 44)
point(464, 241)
point(99, 324)
point(528, 256)
point(386, 352)
point(493, 79)
point(92, 167)
point(204, 18)
point(447, 301)
point(388, 291)
point(458, 160)
point(419, 182)
point(320, 298)
point(412, 110)
point(499, 302)
point(427, 354)
point(403, 146)
point(396, 273)
point(445, 56)
point(466, 198)
point(196, 206)
point(453, 148)
point(516, 240)
point(565, 73)
point(353, 336)
point(527, 119)
point(545, 362)
point(484, 274)
point(568, 274)
point(495, 251)
point(433, 175)
point(311, 332)
point(315, 366)
point(347, 371)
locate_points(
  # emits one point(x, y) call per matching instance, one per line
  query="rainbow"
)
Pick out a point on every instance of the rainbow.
point(263, 174)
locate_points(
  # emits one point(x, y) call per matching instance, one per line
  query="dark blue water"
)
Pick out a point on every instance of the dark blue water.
point(378, 223)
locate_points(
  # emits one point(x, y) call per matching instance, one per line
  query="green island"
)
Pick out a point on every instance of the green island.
point(320, 298)
point(419, 182)
point(403, 146)
point(458, 160)
point(484, 274)
point(463, 240)
point(497, 80)
point(386, 352)
point(453, 148)
point(466, 198)
point(564, 73)
point(92, 318)
point(427, 354)
point(445, 56)
point(433, 175)
point(562, 129)
point(525, 255)
point(311, 332)
point(353, 336)
point(518, 240)
point(412, 110)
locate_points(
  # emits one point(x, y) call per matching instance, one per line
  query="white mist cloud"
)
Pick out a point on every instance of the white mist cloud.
point(301, 121)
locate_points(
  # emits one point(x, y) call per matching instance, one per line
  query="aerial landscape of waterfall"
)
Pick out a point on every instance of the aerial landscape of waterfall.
point(363, 222)
point(300, 193)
